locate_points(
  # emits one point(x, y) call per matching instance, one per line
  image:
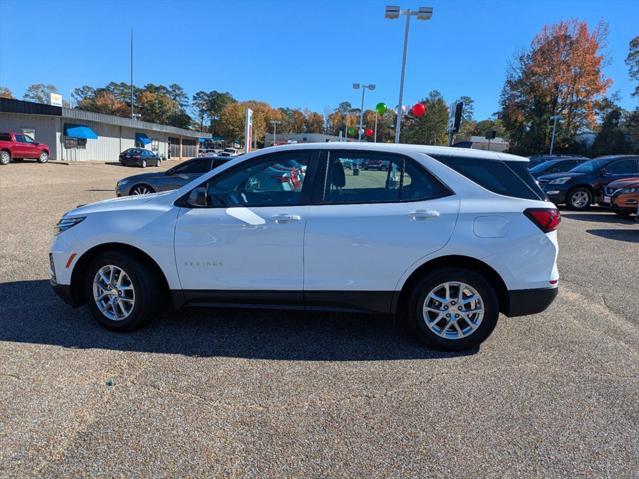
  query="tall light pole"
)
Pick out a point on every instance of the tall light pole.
point(554, 119)
point(275, 123)
point(357, 86)
point(393, 12)
point(132, 109)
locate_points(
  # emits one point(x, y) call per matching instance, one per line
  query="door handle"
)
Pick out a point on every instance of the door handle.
point(423, 214)
point(286, 218)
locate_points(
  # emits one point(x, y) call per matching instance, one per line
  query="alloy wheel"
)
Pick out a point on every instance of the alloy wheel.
point(113, 292)
point(141, 190)
point(5, 158)
point(453, 310)
point(580, 199)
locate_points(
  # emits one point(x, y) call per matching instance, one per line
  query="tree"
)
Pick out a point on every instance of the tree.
point(632, 60)
point(5, 92)
point(200, 104)
point(314, 122)
point(561, 74)
point(40, 93)
point(611, 137)
point(429, 129)
point(104, 102)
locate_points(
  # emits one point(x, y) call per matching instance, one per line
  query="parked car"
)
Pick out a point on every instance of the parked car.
point(464, 235)
point(536, 160)
point(170, 179)
point(18, 146)
point(139, 157)
point(556, 166)
point(582, 186)
point(622, 196)
point(375, 164)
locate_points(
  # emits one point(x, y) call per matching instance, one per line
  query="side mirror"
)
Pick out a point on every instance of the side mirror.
point(197, 197)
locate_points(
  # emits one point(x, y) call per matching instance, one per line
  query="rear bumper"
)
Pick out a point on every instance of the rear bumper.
point(523, 302)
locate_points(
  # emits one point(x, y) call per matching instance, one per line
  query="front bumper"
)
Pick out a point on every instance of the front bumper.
point(64, 292)
point(522, 302)
point(555, 193)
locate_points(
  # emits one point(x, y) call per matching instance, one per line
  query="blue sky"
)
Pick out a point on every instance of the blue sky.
point(293, 53)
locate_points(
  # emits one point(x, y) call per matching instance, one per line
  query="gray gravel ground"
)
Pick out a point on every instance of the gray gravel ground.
point(220, 393)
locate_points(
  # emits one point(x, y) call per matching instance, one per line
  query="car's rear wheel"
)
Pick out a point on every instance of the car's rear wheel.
point(453, 309)
point(579, 199)
point(121, 291)
point(142, 190)
point(44, 157)
point(5, 158)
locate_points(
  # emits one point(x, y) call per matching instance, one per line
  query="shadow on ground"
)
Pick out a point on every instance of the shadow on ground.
point(629, 235)
point(31, 313)
point(600, 217)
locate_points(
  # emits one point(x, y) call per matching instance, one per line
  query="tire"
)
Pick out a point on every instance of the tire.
point(158, 163)
point(579, 199)
point(137, 306)
point(44, 157)
point(5, 157)
point(143, 164)
point(465, 333)
point(141, 189)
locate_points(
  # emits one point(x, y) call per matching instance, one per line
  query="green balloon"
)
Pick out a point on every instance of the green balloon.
point(381, 108)
point(351, 131)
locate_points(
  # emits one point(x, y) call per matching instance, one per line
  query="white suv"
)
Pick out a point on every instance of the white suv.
point(446, 238)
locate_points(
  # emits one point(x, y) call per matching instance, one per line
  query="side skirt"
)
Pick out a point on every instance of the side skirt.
point(346, 301)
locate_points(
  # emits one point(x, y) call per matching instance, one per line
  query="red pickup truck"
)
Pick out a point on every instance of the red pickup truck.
point(18, 146)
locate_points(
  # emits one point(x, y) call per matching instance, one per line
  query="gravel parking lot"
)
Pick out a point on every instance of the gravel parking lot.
point(224, 393)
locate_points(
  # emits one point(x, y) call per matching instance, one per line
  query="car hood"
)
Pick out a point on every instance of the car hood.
point(124, 203)
point(553, 176)
point(143, 177)
point(624, 183)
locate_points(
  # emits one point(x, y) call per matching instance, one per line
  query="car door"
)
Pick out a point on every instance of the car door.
point(367, 228)
point(616, 170)
point(22, 148)
point(249, 236)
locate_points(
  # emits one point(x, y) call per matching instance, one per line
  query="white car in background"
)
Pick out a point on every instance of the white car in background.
point(445, 238)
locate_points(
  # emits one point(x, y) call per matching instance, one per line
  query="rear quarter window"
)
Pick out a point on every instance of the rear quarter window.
point(508, 178)
point(5, 137)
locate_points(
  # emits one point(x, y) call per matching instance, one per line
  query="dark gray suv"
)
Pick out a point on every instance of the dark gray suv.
point(170, 179)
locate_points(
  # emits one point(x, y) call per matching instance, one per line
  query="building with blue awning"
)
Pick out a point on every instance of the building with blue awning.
point(77, 135)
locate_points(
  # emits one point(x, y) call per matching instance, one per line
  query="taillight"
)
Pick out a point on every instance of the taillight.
point(547, 219)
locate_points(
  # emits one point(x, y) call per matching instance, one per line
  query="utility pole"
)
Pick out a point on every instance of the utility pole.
point(132, 108)
point(554, 119)
point(274, 123)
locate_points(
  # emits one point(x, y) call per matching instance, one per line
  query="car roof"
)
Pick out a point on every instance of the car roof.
point(615, 157)
point(401, 148)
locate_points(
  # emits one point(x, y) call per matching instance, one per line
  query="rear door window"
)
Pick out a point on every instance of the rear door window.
point(622, 167)
point(370, 177)
point(508, 178)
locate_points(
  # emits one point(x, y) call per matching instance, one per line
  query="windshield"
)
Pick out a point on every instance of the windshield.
point(588, 166)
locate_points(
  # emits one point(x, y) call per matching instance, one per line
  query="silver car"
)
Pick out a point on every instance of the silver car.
point(170, 179)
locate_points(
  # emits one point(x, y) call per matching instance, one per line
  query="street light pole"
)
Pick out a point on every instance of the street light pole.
point(393, 12)
point(357, 86)
point(274, 123)
point(554, 128)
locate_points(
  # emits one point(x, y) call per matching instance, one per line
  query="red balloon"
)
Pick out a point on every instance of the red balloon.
point(368, 132)
point(419, 109)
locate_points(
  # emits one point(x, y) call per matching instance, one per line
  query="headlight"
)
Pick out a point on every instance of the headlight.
point(122, 183)
point(560, 181)
point(628, 190)
point(66, 223)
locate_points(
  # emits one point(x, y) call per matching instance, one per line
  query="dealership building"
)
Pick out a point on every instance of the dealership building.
point(77, 135)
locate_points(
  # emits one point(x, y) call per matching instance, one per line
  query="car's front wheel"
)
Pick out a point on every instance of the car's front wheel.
point(453, 309)
point(143, 164)
point(158, 162)
point(121, 291)
point(44, 157)
point(142, 190)
point(579, 199)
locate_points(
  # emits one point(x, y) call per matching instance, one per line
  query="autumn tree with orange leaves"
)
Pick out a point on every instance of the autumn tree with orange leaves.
point(561, 74)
